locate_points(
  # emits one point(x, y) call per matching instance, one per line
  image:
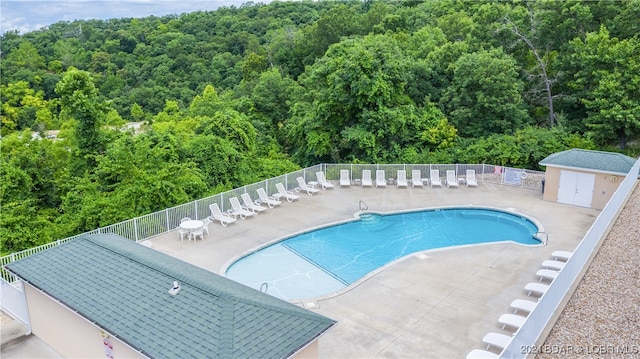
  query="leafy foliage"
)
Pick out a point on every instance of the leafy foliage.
point(233, 96)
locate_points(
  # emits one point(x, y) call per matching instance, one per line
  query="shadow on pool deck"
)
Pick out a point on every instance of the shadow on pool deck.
point(434, 304)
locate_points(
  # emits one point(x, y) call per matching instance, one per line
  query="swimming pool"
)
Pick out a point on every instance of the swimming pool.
point(327, 260)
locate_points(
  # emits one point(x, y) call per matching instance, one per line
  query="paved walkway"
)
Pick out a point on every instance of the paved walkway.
point(428, 305)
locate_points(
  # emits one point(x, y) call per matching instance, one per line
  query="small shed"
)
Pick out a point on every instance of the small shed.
point(584, 178)
point(103, 295)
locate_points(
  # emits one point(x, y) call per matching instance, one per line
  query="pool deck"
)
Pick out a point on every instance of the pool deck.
point(428, 305)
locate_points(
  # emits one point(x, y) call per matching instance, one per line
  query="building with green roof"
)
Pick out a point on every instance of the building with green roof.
point(104, 295)
point(584, 178)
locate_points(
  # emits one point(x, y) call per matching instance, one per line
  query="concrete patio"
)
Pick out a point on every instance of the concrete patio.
point(427, 305)
point(430, 304)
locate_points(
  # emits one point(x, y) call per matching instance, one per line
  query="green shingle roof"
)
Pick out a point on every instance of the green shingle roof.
point(609, 162)
point(123, 288)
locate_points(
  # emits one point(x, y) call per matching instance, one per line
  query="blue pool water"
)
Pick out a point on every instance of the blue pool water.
point(326, 260)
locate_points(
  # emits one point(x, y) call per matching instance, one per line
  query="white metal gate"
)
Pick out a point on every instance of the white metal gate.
point(576, 188)
point(14, 302)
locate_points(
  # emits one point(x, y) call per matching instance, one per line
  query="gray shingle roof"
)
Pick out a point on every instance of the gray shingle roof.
point(610, 162)
point(123, 288)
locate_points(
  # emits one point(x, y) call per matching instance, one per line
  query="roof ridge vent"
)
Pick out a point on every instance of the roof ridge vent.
point(175, 288)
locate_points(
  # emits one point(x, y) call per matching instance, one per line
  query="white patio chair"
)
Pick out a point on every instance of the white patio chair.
point(471, 179)
point(548, 274)
point(322, 180)
point(561, 255)
point(452, 181)
point(537, 288)
point(303, 186)
point(237, 210)
point(205, 225)
point(481, 354)
point(416, 178)
point(497, 340)
point(182, 233)
point(345, 178)
point(523, 305)
point(195, 233)
point(366, 178)
point(511, 320)
point(251, 205)
point(435, 178)
point(381, 180)
point(401, 181)
point(270, 201)
point(555, 265)
point(218, 215)
point(283, 193)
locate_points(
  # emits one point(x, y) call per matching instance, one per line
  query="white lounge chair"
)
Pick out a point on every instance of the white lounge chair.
point(237, 210)
point(537, 288)
point(435, 178)
point(303, 186)
point(322, 180)
point(523, 305)
point(416, 178)
point(481, 354)
point(555, 265)
point(511, 320)
point(561, 255)
point(548, 274)
point(401, 181)
point(283, 193)
point(381, 181)
point(452, 181)
point(218, 215)
point(471, 179)
point(366, 178)
point(345, 179)
point(497, 340)
point(270, 201)
point(251, 205)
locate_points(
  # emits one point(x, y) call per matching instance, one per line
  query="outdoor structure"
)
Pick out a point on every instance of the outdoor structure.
point(583, 177)
point(102, 295)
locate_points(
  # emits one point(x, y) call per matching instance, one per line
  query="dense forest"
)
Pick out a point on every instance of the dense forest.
point(236, 95)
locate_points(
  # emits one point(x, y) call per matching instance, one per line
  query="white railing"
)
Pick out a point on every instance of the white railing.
point(167, 220)
point(14, 302)
point(541, 316)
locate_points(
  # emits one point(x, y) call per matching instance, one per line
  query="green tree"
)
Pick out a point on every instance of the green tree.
point(271, 99)
point(484, 97)
point(523, 149)
point(607, 77)
point(26, 56)
point(29, 192)
point(79, 101)
point(357, 109)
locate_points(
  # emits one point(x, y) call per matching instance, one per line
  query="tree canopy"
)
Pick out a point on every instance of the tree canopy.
point(219, 99)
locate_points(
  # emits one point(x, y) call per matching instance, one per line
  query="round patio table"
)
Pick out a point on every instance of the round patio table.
point(191, 224)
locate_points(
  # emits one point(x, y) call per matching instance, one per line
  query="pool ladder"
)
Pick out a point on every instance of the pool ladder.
point(363, 206)
point(264, 287)
point(539, 235)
